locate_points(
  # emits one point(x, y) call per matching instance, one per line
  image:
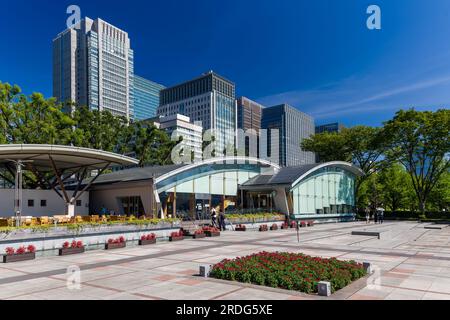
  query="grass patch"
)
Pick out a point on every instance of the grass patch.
point(289, 271)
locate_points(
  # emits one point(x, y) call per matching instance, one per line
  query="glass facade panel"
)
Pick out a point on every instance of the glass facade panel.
point(326, 191)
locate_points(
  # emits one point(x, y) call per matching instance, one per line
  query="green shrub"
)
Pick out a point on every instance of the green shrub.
point(289, 271)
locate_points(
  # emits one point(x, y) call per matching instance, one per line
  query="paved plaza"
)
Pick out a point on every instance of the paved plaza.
point(410, 262)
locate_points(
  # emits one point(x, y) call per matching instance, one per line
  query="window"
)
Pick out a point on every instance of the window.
point(78, 204)
point(43, 203)
point(30, 202)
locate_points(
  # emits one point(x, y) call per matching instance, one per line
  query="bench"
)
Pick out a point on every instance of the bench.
point(366, 233)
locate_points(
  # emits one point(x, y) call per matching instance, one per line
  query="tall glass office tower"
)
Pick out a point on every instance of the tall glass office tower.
point(146, 98)
point(293, 126)
point(93, 65)
point(210, 99)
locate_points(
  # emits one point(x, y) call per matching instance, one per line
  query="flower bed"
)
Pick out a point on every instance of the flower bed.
point(263, 228)
point(21, 254)
point(115, 243)
point(71, 248)
point(289, 271)
point(176, 236)
point(211, 231)
point(147, 239)
point(255, 217)
point(284, 226)
point(198, 234)
point(240, 227)
point(274, 227)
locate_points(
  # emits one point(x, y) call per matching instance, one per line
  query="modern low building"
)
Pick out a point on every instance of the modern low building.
point(210, 99)
point(180, 126)
point(322, 192)
point(146, 98)
point(293, 126)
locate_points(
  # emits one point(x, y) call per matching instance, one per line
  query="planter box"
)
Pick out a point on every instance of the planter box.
point(199, 236)
point(19, 257)
point(273, 228)
point(176, 238)
point(284, 227)
point(68, 251)
point(212, 234)
point(240, 229)
point(109, 246)
point(147, 242)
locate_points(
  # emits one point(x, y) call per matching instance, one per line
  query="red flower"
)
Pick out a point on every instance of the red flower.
point(31, 248)
point(66, 244)
point(79, 244)
point(21, 250)
point(10, 251)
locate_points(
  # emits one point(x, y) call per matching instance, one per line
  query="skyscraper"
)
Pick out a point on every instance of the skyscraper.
point(210, 99)
point(293, 126)
point(146, 98)
point(249, 114)
point(93, 65)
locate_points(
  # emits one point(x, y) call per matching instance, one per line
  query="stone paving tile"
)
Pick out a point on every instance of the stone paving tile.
point(415, 265)
point(403, 294)
point(254, 294)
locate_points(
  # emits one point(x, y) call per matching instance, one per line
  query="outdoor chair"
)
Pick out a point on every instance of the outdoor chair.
point(4, 223)
point(43, 220)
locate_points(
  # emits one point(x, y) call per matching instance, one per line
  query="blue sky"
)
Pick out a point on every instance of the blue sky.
point(316, 55)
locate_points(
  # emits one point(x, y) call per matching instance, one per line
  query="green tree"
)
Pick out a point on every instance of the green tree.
point(420, 141)
point(328, 146)
point(363, 146)
point(395, 187)
point(439, 198)
point(151, 145)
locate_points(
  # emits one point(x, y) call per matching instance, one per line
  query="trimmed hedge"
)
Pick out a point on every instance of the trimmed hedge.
point(411, 215)
point(289, 271)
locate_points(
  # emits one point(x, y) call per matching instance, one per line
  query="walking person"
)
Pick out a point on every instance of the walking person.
point(381, 215)
point(213, 217)
point(375, 216)
point(222, 226)
point(367, 211)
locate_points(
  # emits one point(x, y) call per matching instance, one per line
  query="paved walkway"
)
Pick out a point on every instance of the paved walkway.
point(411, 262)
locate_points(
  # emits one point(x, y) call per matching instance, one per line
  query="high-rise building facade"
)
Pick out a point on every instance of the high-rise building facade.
point(330, 127)
point(209, 99)
point(93, 65)
point(293, 126)
point(181, 126)
point(249, 114)
point(146, 98)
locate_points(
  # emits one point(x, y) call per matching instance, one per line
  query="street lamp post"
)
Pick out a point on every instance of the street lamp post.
point(18, 181)
point(18, 192)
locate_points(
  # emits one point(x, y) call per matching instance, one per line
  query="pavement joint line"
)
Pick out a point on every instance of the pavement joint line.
point(33, 292)
point(113, 262)
point(227, 293)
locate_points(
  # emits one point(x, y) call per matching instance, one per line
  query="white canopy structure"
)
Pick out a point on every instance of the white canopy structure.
point(54, 165)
